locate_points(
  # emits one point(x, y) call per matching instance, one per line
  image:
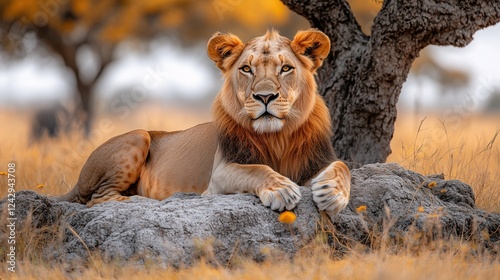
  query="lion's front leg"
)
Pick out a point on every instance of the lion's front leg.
point(331, 188)
point(274, 190)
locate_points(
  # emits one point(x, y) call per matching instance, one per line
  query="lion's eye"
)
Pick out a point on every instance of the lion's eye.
point(286, 68)
point(246, 69)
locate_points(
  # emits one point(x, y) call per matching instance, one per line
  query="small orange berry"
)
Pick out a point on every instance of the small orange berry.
point(287, 217)
point(443, 191)
point(420, 209)
point(361, 209)
point(431, 185)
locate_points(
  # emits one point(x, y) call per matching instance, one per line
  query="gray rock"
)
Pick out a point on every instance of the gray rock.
point(401, 202)
point(223, 228)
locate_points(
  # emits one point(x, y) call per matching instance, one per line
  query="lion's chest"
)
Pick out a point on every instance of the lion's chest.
point(295, 159)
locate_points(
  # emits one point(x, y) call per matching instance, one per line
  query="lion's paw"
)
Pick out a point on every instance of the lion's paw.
point(280, 193)
point(331, 188)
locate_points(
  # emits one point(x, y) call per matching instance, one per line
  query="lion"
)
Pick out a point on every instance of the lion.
point(271, 133)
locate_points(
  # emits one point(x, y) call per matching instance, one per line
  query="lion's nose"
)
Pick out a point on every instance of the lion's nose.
point(265, 97)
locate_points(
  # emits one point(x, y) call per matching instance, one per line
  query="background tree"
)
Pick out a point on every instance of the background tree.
point(69, 28)
point(362, 78)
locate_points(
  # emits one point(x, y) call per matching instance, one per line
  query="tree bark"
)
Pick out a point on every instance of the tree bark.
point(362, 78)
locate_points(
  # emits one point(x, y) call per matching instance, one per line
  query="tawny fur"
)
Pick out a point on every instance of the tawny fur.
point(271, 133)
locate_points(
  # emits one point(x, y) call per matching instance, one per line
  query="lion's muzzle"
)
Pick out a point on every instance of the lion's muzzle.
point(265, 98)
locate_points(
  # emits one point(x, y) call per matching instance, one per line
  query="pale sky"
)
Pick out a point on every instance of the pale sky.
point(36, 79)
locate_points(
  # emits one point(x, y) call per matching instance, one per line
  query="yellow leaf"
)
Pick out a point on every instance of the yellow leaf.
point(172, 18)
point(269, 12)
point(153, 6)
point(81, 7)
point(361, 209)
point(20, 9)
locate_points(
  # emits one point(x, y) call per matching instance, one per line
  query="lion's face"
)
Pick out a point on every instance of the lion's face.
point(269, 82)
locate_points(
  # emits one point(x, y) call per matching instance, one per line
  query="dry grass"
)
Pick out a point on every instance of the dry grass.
point(368, 266)
point(465, 151)
point(51, 167)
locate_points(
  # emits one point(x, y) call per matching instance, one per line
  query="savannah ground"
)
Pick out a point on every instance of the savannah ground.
point(462, 148)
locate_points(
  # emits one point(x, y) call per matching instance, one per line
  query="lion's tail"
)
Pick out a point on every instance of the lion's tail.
point(71, 196)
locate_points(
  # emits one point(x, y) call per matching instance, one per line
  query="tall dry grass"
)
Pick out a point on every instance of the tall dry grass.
point(466, 149)
point(52, 166)
point(428, 265)
point(468, 152)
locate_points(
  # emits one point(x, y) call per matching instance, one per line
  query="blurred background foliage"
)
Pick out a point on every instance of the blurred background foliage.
point(67, 29)
point(75, 32)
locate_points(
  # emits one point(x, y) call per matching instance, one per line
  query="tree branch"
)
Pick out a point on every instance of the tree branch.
point(106, 57)
point(53, 39)
point(435, 22)
point(342, 27)
point(403, 28)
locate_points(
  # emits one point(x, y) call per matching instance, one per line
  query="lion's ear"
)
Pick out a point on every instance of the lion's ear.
point(313, 44)
point(223, 49)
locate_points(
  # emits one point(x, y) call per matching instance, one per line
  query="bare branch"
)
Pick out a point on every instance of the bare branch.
point(53, 39)
point(106, 57)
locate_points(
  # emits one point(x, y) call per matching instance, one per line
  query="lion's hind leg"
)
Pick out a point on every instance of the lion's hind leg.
point(111, 169)
point(331, 188)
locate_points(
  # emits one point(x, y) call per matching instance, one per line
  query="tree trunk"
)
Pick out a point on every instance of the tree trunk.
point(67, 50)
point(362, 78)
point(85, 109)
